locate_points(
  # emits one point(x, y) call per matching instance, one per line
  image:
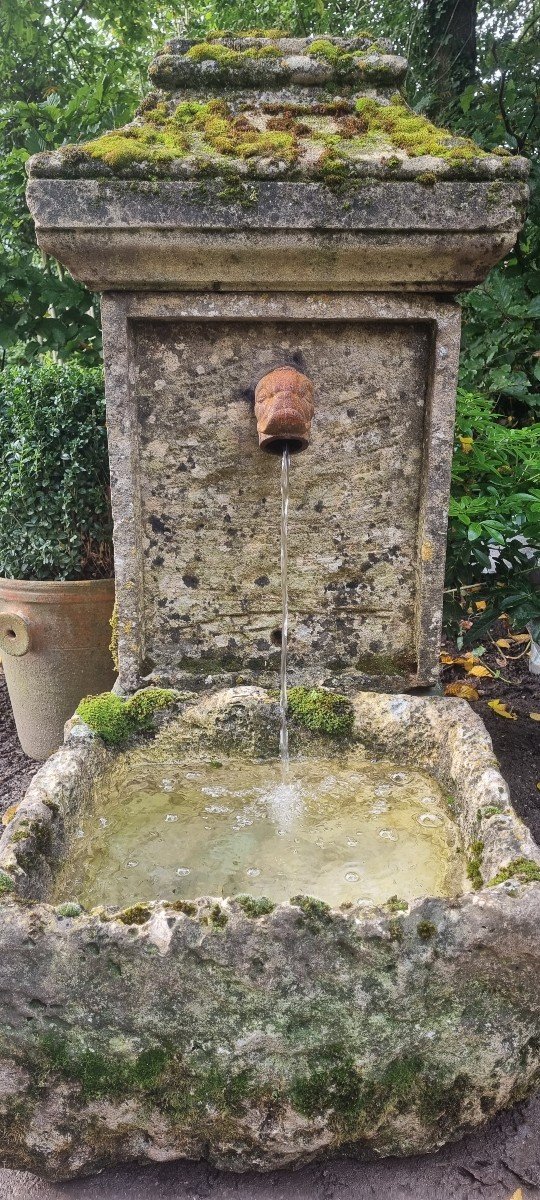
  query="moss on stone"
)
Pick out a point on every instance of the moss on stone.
point(101, 1075)
point(312, 907)
point(489, 810)
point(394, 904)
point(114, 718)
point(255, 906)
point(321, 711)
point(413, 133)
point(6, 883)
point(136, 914)
point(426, 930)
point(113, 644)
point(218, 916)
point(184, 906)
point(69, 909)
point(474, 865)
point(523, 869)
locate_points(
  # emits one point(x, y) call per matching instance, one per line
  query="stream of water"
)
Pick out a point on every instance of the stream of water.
point(284, 732)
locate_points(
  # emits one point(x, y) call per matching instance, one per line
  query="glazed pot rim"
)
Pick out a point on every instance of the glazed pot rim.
point(47, 590)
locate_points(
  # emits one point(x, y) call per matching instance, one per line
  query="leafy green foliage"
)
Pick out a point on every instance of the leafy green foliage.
point(55, 518)
point(495, 506)
point(69, 71)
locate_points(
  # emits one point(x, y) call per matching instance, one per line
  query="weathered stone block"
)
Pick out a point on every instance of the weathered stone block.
point(258, 1036)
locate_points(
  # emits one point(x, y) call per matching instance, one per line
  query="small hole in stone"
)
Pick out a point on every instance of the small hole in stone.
point(276, 637)
point(11, 633)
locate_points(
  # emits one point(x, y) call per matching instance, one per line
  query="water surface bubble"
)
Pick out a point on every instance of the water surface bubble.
point(389, 834)
point(182, 870)
point(352, 876)
point(429, 819)
point(171, 817)
point(253, 871)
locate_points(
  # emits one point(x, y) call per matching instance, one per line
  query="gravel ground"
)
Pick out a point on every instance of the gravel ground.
point(501, 1162)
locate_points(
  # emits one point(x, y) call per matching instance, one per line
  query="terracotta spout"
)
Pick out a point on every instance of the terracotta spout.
point(284, 409)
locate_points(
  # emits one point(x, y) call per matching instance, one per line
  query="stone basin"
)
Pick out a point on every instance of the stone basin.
point(259, 1035)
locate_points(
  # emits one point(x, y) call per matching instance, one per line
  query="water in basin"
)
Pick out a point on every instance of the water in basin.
point(343, 830)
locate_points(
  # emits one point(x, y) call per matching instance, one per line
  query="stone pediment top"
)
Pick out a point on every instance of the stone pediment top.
point(317, 109)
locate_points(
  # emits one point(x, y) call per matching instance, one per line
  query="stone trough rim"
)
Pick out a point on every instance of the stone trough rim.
point(83, 749)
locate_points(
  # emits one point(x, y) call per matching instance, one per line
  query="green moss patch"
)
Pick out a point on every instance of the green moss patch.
point(409, 131)
point(255, 906)
point(114, 719)
point(69, 909)
point(523, 869)
point(474, 865)
point(137, 914)
point(6, 883)
point(99, 1074)
point(321, 711)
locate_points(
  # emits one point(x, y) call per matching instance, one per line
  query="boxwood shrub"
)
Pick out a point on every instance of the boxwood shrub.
point(55, 520)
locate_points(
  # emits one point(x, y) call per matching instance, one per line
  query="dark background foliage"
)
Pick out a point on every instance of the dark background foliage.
point(73, 68)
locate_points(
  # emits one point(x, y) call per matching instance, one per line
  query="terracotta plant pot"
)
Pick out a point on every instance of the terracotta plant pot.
point(54, 646)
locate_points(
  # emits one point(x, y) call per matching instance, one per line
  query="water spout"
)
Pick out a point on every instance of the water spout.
point(284, 410)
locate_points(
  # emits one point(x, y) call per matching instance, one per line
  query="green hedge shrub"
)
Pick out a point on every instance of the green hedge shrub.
point(55, 520)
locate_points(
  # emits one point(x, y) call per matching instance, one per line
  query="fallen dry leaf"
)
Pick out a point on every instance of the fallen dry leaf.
point(480, 605)
point(462, 660)
point(520, 637)
point(9, 814)
point(534, 716)
point(502, 709)
point(517, 1195)
point(479, 671)
point(464, 690)
point(466, 444)
point(503, 643)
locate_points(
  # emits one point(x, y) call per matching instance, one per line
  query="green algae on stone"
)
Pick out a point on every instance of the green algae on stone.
point(321, 710)
point(525, 870)
point(114, 718)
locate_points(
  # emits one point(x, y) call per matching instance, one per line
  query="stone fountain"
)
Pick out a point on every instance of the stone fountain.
point(275, 218)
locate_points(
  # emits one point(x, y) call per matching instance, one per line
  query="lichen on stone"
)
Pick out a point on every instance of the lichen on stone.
point(321, 711)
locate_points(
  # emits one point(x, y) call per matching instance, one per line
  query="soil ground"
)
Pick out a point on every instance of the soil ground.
point(499, 1162)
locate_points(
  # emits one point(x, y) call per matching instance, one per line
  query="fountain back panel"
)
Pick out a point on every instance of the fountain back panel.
point(209, 501)
point(273, 204)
